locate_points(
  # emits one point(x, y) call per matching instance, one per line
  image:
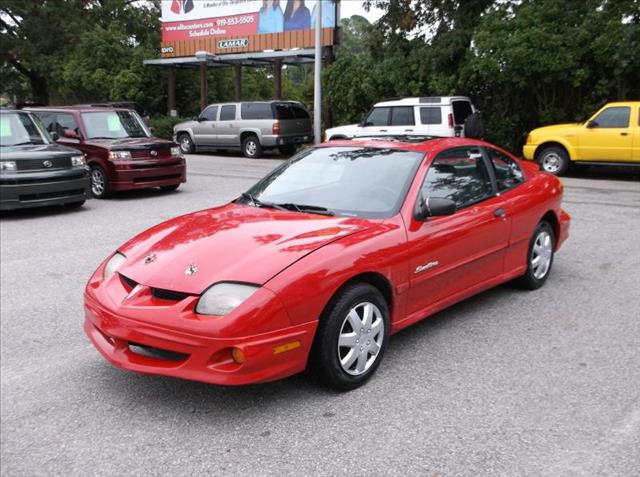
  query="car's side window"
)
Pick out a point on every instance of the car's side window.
point(228, 112)
point(210, 113)
point(614, 117)
point(431, 115)
point(459, 174)
point(402, 116)
point(66, 121)
point(378, 117)
point(508, 173)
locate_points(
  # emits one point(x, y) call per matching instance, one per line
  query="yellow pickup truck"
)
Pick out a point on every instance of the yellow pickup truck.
point(610, 137)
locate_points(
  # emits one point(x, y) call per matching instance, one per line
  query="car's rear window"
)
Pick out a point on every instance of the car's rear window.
point(256, 111)
point(461, 110)
point(289, 111)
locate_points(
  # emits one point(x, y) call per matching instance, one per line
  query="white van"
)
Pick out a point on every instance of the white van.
point(442, 116)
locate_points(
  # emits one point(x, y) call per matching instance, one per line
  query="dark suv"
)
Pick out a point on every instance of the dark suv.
point(119, 148)
point(34, 171)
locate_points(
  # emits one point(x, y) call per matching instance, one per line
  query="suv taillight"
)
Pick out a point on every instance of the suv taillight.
point(275, 130)
point(450, 120)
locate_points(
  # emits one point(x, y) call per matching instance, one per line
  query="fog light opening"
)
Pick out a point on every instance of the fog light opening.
point(237, 355)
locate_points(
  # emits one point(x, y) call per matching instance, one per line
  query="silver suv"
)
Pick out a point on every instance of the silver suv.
point(249, 126)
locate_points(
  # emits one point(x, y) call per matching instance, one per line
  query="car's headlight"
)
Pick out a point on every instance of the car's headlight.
point(175, 151)
point(8, 166)
point(222, 298)
point(78, 161)
point(119, 155)
point(113, 264)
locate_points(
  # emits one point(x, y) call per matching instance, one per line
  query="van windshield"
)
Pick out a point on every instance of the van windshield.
point(114, 125)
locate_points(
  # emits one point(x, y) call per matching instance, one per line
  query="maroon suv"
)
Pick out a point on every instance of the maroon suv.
point(118, 146)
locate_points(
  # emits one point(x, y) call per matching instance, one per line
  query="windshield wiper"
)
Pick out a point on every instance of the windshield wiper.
point(310, 209)
point(259, 203)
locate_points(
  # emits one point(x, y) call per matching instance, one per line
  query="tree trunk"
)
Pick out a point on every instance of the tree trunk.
point(39, 88)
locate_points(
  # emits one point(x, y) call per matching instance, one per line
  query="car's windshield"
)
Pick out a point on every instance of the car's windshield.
point(21, 129)
point(350, 181)
point(113, 125)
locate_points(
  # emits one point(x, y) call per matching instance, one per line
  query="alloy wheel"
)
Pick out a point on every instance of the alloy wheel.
point(185, 144)
point(541, 255)
point(551, 162)
point(360, 339)
point(251, 148)
point(97, 182)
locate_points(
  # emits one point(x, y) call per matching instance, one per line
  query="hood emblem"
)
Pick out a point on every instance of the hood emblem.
point(47, 163)
point(150, 258)
point(191, 269)
point(154, 153)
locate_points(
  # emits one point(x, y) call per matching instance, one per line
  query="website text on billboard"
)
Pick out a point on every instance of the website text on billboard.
point(192, 20)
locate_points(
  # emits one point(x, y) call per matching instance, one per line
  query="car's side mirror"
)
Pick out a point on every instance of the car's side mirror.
point(55, 136)
point(433, 207)
point(201, 119)
point(70, 134)
point(592, 124)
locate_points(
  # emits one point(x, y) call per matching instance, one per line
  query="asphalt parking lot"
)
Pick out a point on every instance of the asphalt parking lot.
point(506, 383)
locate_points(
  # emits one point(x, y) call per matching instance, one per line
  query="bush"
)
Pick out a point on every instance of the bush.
point(163, 125)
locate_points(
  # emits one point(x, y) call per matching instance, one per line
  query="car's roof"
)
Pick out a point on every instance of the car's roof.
point(81, 109)
point(269, 101)
point(428, 145)
point(422, 101)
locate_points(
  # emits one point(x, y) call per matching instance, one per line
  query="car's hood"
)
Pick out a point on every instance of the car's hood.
point(230, 243)
point(556, 129)
point(36, 151)
point(131, 143)
point(348, 129)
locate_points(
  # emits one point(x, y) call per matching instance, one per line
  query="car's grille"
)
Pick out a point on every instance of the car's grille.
point(157, 178)
point(159, 293)
point(50, 195)
point(157, 353)
point(128, 283)
point(35, 164)
point(168, 295)
point(19, 181)
point(146, 153)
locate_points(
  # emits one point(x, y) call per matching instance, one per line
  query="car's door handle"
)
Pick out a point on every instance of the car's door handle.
point(500, 212)
point(408, 130)
point(624, 134)
point(383, 130)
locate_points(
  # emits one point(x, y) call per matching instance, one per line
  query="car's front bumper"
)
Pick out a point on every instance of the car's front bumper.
point(144, 174)
point(195, 355)
point(21, 190)
point(529, 151)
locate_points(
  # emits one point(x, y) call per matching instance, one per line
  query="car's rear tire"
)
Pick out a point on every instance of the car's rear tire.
point(352, 337)
point(288, 150)
point(554, 160)
point(169, 188)
point(186, 143)
point(539, 256)
point(251, 147)
point(99, 182)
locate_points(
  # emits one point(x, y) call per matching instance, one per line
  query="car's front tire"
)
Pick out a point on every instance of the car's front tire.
point(186, 143)
point(352, 337)
point(99, 182)
point(539, 256)
point(251, 147)
point(554, 160)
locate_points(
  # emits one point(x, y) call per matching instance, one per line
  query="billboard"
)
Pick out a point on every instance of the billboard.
point(231, 26)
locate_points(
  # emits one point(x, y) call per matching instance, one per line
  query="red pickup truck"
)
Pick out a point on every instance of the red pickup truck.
point(118, 146)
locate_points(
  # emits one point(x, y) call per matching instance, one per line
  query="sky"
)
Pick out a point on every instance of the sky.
point(354, 7)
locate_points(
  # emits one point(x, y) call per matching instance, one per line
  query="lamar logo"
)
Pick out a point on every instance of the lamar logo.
point(237, 43)
point(181, 6)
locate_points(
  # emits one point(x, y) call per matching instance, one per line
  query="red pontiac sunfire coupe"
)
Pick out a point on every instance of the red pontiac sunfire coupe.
point(323, 259)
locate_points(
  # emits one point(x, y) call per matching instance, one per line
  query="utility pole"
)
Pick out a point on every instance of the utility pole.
point(317, 84)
